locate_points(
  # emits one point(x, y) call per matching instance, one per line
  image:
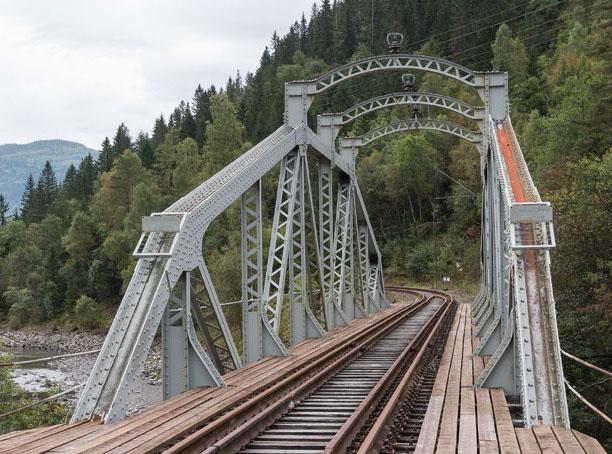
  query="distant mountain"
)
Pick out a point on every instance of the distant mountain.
point(17, 161)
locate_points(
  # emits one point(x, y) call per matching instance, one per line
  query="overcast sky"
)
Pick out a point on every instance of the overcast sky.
point(74, 69)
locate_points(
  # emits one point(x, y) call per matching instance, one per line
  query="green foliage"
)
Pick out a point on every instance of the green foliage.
point(88, 314)
point(12, 397)
point(509, 54)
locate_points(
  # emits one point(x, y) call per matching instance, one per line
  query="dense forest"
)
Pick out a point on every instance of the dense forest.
point(66, 255)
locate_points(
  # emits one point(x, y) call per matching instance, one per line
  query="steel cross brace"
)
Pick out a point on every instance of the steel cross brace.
point(342, 288)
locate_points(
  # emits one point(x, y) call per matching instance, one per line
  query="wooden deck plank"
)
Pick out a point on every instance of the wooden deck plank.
point(447, 438)
point(546, 439)
point(39, 445)
point(567, 440)
point(429, 430)
point(478, 364)
point(589, 444)
point(487, 436)
point(527, 440)
point(467, 411)
point(503, 423)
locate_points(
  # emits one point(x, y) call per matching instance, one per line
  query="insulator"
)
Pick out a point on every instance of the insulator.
point(394, 41)
point(408, 81)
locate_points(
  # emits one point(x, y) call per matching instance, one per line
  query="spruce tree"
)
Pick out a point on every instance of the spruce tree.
point(144, 149)
point(4, 207)
point(86, 178)
point(27, 200)
point(44, 194)
point(105, 159)
point(201, 107)
point(160, 129)
point(70, 185)
point(188, 127)
point(122, 140)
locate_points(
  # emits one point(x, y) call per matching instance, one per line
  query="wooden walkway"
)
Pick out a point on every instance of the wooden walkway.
point(462, 419)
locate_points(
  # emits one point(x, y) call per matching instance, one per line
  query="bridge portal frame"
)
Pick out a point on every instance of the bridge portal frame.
point(342, 237)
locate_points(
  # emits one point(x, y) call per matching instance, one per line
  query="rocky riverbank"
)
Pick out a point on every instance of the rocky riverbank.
point(67, 372)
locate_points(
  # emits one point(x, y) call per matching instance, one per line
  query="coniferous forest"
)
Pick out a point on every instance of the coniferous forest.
point(65, 252)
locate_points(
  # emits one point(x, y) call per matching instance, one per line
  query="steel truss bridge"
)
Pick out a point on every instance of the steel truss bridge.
point(319, 282)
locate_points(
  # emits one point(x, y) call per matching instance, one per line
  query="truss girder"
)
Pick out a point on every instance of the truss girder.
point(280, 242)
point(395, 62)
point(342, 273)
point(421, 124)
point(326, 269)
point(516, 317)
point(397, 99)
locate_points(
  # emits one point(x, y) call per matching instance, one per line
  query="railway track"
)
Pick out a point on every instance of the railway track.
point(333, 407)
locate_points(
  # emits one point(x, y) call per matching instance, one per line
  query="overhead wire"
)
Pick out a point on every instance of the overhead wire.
point(523, 38)
point(520, 16)
point(469, 24)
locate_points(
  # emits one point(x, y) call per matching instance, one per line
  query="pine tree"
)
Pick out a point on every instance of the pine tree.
point(27, 200)
point(159, 132)
point(4, 207)
point(223, 136)
point(303, 31)
point(122, 140)
point(105, 159)
point(201, 107)
point(144, 149)
point(44, 194)
point(188, 125)
point(70, 185)
point(509, 55)
point(86, 178)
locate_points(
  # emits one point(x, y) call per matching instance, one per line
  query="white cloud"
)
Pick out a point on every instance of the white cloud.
point(74, 69)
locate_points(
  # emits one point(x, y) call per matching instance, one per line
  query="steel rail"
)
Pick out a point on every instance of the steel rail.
point(195, 437)
point(381, 424)
point(422, 340)
point(244, 433)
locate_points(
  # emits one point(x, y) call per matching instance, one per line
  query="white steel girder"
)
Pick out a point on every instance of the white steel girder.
point(406, 98)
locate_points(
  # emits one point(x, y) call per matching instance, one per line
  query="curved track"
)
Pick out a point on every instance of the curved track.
point(331, 404)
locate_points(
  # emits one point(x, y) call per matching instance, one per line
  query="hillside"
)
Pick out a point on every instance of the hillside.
point(17, 161)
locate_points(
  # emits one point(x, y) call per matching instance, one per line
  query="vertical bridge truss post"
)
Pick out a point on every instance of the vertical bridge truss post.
point(251, 247)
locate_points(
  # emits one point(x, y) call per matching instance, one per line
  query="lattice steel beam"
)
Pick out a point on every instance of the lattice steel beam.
point(418, 124)
point(394, 62)
point(282, 227)
point(402, 98)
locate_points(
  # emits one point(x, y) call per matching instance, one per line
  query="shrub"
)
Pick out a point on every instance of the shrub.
point(22, 308)
point(87, 313)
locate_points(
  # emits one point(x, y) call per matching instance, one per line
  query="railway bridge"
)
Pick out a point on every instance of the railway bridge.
point(328, 359)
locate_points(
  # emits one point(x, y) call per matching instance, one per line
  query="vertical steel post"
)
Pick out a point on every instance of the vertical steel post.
point(174, 342)
point(252, 266)
point(326, 235)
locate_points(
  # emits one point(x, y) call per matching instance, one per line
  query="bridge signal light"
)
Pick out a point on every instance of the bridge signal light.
point(394, 41)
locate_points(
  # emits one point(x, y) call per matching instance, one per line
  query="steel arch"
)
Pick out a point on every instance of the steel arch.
point(399, 61)
point(427, 123)
point(401, 98)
